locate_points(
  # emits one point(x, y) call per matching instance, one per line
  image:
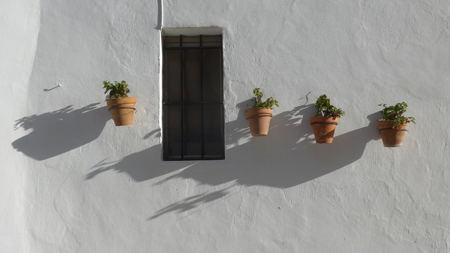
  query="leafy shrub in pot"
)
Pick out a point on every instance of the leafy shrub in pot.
point(325, 121)
point(121, 106)
point(393, 124)
point(259, 115)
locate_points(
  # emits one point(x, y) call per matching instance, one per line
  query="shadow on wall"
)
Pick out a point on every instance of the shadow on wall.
point(191, 202)
point(54, 133)
point(287, 157)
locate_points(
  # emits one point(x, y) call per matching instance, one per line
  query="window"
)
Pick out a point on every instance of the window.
point(193, 113)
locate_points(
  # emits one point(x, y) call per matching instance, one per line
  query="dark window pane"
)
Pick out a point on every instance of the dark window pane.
point(172, 138)
point(212, 41)
point(212, 75)
point(213, 130)
point(193, 131)
point(193, 114)
point(172, 73)
point(171, 41)
point(191, 41)
point(192, 75)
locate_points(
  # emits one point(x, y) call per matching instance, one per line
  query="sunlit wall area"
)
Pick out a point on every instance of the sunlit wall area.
point(72, 181)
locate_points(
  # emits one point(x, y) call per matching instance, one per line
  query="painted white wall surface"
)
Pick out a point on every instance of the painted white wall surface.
point(73, 182)
point(19, 28)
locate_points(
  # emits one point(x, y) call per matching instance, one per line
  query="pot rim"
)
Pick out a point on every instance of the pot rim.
point(127, 98)
point(258, 109)
point(388, 122)
point(112, 102)
point(324, 119)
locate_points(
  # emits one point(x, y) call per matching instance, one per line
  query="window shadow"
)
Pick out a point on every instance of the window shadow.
point(141, 166)
point(54, 133)
point(287, 157)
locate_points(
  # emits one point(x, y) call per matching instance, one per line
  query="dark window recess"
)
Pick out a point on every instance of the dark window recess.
point(193, 114)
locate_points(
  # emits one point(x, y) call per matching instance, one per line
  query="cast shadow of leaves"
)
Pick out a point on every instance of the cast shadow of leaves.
point(191, 203)
point(287, 157)
point(54, 133)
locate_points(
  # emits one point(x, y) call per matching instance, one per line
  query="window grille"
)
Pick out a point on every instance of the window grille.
point(193, 113)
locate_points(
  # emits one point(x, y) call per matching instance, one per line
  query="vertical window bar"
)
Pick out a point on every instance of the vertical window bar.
point(165, 137)
point(222, 126)
point(201, 95)
point(183, 145)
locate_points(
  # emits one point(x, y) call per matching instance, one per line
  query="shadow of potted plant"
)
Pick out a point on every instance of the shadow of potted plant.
point(259, 115)
point(121, 106)
point(392, 126)
point(61, 130)
point(325, 121)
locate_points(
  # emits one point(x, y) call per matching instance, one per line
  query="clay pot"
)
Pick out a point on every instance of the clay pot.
point(392, 137)
point(258, 120)
point(122, 110)
point(323, 128)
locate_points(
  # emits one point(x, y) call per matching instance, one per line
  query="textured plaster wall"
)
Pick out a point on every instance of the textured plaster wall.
point(19, 28)
point(73, 182)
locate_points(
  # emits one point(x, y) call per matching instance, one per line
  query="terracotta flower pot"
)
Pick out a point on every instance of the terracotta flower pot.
point(122, 110)
point(392, 137)
point(323, 128)
point(258, 120)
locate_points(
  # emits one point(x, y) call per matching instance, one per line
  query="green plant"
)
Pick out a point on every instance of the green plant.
point(395, 113)
point(325, 109)
point(269, 103)
point(116, 90)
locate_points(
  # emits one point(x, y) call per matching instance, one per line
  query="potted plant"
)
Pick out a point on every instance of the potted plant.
point(325, 121)
point(120, 105)
point(392, 126)
point(259, 115)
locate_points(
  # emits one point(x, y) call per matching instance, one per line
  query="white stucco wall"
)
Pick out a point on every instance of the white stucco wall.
point(73, 182)
point(19, 28)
